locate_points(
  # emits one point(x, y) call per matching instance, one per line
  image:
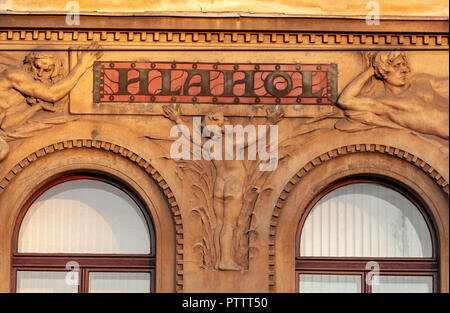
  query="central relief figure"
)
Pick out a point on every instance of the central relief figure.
point(228, 190)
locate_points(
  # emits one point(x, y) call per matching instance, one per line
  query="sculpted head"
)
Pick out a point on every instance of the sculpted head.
point(215, 118)
point(43, 65)
point(392, 67)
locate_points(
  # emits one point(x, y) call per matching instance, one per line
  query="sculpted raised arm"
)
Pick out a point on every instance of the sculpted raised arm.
point(350, 99)
point(174, 115)
point(273, 117)
point(27, 85)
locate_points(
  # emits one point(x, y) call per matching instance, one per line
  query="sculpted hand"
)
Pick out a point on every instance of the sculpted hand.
point(368, 58)
point(90, 54)
point(371, 71)
point(39, 104)
point(49, 107)
point(171, 113)
point(273, 117)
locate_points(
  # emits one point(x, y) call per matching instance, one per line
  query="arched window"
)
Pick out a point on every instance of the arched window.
point(366, 236)
point(83, 234)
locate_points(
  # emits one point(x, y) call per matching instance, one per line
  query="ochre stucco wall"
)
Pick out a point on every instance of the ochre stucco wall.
point(322, 7)
point(131, 143)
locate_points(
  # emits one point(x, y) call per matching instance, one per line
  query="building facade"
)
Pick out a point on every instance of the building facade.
point(223, 153)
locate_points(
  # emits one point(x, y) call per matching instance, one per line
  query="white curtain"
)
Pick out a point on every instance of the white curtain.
point(45, 282)
point(84, 216)
point(119, 282)
point(403, 284)
point(365, 220)
point(315, 283)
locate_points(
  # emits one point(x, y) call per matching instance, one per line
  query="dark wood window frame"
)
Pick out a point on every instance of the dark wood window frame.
point(119, 263)
point(388, 266)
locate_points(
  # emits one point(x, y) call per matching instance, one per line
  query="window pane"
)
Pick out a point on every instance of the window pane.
point(365, 220)
point(312, 283)
point(45, 282)
point(403, 284)
point(119, 282)
point(84, 216)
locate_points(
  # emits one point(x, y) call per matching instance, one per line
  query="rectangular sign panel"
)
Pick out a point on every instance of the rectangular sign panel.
point(214, 83)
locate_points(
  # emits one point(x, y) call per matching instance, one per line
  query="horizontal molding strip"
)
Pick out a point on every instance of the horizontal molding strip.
point(244, 40)
point(226, 22)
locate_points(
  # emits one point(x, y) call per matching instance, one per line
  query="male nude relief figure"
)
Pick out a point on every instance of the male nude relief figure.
point(417, 102)
point(32, 87)
point(228, 185)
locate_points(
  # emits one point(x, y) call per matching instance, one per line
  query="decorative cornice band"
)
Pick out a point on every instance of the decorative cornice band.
point(230, 39)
